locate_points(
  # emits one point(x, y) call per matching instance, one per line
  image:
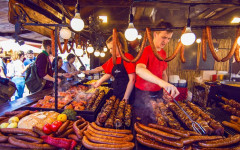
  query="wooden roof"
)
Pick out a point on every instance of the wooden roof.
point(146, 14)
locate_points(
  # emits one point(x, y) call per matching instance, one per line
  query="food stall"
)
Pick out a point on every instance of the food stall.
point(83, 117)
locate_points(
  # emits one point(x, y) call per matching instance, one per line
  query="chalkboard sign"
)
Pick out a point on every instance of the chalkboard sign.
point(190, 54)
point(209, 63)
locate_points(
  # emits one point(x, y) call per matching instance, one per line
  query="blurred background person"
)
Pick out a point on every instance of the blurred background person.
point(62, 74)
point(30, 58)
point(70, 68)
point(19, 69)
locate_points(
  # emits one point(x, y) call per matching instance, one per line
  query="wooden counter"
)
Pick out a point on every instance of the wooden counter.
point(13, 105)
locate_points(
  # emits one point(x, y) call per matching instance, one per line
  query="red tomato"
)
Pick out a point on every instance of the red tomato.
point(47, 128)
point(56, 125)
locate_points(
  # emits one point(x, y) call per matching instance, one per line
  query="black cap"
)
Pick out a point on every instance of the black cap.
point(30, 52)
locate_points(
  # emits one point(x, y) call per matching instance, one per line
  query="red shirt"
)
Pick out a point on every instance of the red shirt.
point(130, 67)
point(155, 66)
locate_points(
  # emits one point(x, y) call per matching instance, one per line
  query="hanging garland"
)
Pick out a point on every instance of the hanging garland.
point(53, 43)
point(204, 45)
point(233, 49)
point(180, 46)
point(237, 57)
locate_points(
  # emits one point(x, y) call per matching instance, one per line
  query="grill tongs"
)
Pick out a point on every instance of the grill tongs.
point(196, 126)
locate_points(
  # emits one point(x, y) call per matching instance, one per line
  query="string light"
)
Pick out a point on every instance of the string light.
point(79, 50)
point(90, 49)
point(105, 49)
point(238, 40)
point(97, 53)
point(102, 54)
point(198, 41)
point(77, 23)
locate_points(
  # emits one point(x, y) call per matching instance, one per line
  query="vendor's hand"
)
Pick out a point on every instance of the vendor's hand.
point(59, 81)
point(86, 72)
point(171, 89)
point(126, 100)
point(95, 84)
point(67, 75)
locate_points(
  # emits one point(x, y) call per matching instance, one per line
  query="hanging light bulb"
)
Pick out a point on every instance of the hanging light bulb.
point(77, 23)
point(97, 53)
point(105, 49)
point(79, 50)
point(65, 33)
point(238, 40)
point(139, 36)
point(90, 49)
point(131, 32)
point(102, 54)
point(198, 41)
point(188, 37)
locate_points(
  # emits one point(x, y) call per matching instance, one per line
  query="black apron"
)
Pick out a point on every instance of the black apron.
point(121, 80)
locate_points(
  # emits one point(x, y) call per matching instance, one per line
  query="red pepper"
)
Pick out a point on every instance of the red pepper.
point(55, 125)
point(60, 142)
point(47, 128)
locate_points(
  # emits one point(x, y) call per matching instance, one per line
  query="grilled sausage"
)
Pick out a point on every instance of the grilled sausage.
point(106, 133)
point(192, 139)
point(126, 138)
point(233, 49)
point(3, 138)
point(95, 146)
point(153, 144)
point(53, 42)
point(170, 130)
point(179, 46)
point(93, 124)
point(183, 60)
point(24, 144)
point(74, 137)
point(221, 142)
point(210, 44)
point(204, 45)
point(102, 140)
point(152, 45)
point(38, 131)
point(28, 138)
point(63, 127)
point(8, 146)
point(231, 125)
point(157, 132)
point(175, 143)
point(19, 131)
point(237, 56)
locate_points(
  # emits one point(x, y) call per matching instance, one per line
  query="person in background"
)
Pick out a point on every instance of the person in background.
point(30, 58)
point(19, 69)
point(3, 67)
point(123, 72)
point(61, 73)
point(70, 68)
point(151, 73)
point(44, 66)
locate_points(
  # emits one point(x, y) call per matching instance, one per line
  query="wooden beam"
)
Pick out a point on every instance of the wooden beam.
point(222, 13)
point(139, 13)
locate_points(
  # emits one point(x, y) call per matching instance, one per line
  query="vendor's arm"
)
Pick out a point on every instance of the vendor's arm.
point(101, 80)
point(130, 86)
point(49, 78)
point(145, 74)
point(164, 76)
point(95, 70)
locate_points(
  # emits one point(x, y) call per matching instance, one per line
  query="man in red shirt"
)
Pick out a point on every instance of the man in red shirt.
point(151, 73)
